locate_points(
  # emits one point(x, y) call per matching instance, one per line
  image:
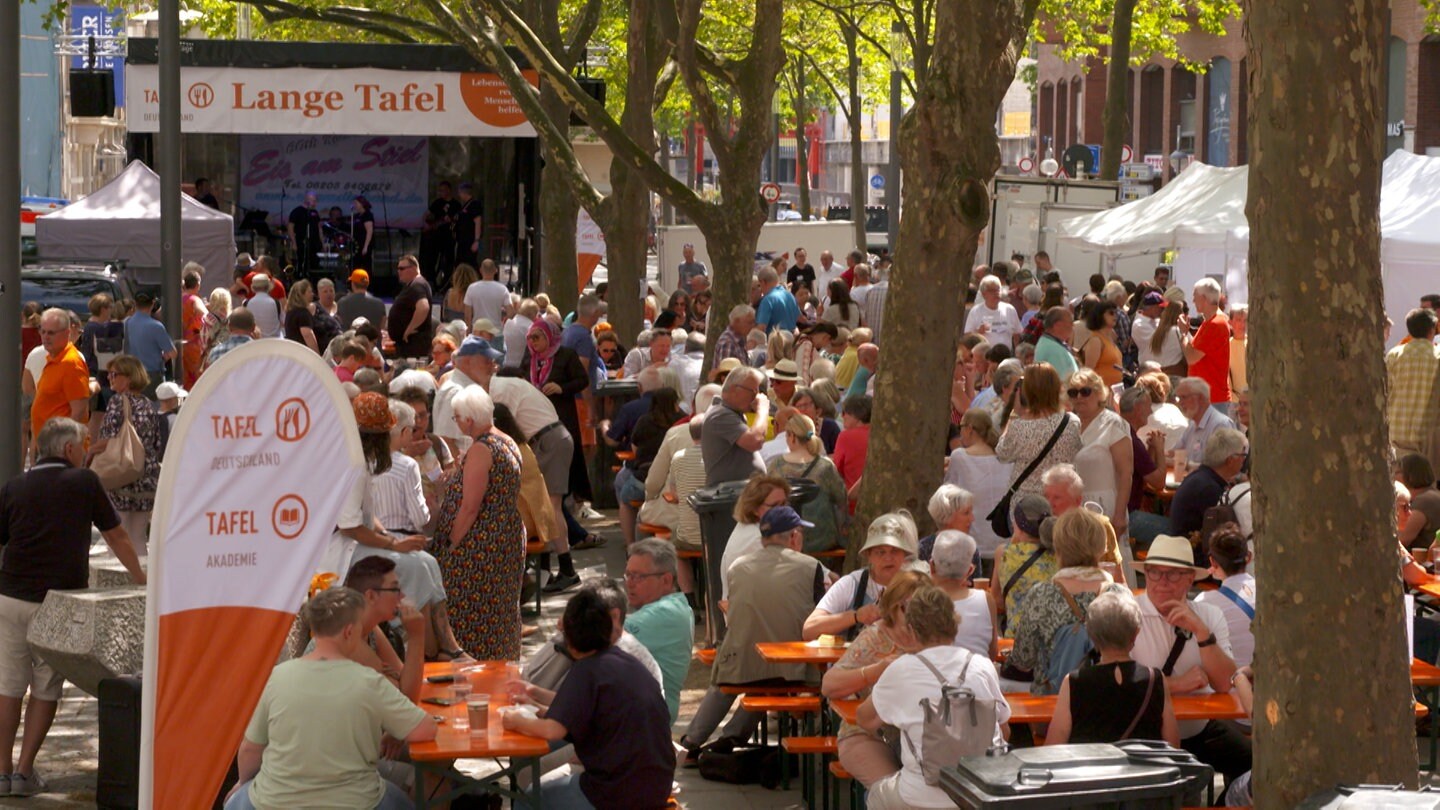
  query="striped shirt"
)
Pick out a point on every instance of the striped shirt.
point(687, 474)
point(872, 309)
point(1412, 410)
point(396, 497)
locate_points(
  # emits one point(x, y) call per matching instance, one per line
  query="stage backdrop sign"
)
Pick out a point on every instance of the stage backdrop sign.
point(259, 465)
point(311, 101)
point(391, 171)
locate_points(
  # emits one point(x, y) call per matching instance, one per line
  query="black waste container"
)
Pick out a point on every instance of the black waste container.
point(609, 396)
point(1128, 776)
point(117, 782)
point(716, 507)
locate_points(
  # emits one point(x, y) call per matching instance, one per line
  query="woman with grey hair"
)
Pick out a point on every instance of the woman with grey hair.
point(975, 468)
point(1116, 698)
point(952, 563)
point(325, 319)
point(480, 537)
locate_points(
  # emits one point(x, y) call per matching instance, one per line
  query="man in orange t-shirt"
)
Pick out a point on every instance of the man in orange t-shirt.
point(1208, 352)
point(64, 386)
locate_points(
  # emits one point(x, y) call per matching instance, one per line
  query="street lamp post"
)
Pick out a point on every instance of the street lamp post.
point(892, 179)
point(10, 238)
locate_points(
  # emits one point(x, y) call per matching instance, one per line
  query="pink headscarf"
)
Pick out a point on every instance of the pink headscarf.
point(540, 364)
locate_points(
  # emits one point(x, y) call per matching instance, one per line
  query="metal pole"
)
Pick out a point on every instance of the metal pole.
point(167, 146)
point(10, 239)
point(892, 175)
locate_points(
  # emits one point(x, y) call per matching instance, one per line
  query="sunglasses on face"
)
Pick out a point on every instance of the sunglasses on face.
point(1077, 393)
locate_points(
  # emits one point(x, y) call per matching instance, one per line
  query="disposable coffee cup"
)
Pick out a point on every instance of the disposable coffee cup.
point(478, 709)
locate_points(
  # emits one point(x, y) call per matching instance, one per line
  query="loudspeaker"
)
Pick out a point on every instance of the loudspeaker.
point(92, 93)
point(594, 88)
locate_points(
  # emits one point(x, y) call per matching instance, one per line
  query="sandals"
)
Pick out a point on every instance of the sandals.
point(591, 541)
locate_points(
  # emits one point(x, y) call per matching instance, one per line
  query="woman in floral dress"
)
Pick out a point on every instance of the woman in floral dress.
point(134, 501)
point(480, 538)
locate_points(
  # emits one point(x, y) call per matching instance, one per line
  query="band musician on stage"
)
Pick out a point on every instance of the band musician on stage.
point(437, 238)
point(303, 229)
point(362, 227)
point(468, 227)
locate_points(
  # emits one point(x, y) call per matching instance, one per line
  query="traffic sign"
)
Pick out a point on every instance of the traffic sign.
point(877, 181)
point(771, 192)
point(1126, 153)
point(1026, 165)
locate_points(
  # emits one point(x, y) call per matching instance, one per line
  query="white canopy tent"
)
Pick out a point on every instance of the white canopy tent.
point(1201, 213)
point(1195, 210)
point(121, 220)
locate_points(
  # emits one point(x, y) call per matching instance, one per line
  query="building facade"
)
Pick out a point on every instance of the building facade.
point(1203, 113)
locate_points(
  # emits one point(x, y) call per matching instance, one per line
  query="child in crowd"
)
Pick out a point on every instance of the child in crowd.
point(1115, 699)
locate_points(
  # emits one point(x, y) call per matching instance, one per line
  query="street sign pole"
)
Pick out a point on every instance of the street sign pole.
point(10, 239)
point(167, 148)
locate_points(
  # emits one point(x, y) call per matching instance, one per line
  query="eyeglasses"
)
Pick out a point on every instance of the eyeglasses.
point(633, 576)
point(55, 331)
point(754, 391)
point(1076, 393)
point(1402, 507)
point(388, 590)
point(1168, 574)
point(407, 267)
point(607, 350)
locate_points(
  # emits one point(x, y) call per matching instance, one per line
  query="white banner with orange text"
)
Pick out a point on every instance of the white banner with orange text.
point(256, 471)
point(309, 101)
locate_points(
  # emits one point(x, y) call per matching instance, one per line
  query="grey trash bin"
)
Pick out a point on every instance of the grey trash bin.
point(716, 508)
point(1367, 797)
point(1130, 775)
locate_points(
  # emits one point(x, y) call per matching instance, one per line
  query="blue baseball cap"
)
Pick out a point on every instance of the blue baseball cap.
point(472, 346)
point(781, 519)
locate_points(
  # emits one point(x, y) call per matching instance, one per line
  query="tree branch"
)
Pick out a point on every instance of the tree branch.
point(486, 47)
point(840, 97)
point(624, 148)
point(582, 29)
point(377, 22)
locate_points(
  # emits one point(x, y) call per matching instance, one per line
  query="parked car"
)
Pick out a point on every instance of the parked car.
point(70, 286)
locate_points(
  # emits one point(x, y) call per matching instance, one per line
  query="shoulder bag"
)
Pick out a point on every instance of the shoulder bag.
point(999, 517)
point(122, 462)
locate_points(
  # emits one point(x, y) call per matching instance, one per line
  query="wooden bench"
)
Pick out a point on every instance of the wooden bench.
point(654, 530)
point(533, 550)
point(839, 774)
point(806, 748)
point(785, 690)
point(789, 706)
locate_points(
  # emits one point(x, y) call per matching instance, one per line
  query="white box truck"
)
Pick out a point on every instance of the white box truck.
point(1024, 215)
point(776, 238)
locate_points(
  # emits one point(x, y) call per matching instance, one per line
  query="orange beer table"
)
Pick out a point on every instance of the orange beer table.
point(1028, 708)
point(799, 652)
point(438, 756)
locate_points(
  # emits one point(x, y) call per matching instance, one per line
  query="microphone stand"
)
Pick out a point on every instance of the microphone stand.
point(284, 218)
point(389, 246)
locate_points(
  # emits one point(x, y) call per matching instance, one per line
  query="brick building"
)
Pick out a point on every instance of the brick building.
point(1203, 114)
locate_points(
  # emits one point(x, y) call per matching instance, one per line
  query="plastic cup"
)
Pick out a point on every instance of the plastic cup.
point(462, 688)
point(981, 584)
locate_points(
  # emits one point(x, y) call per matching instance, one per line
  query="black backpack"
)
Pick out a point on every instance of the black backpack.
point(1217, 516)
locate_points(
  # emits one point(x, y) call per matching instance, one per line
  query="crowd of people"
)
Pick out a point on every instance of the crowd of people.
point(1098, 444)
